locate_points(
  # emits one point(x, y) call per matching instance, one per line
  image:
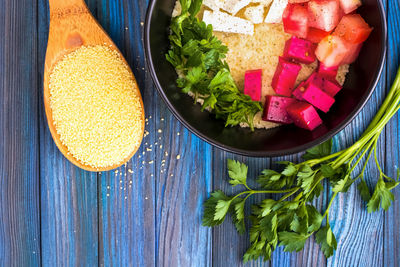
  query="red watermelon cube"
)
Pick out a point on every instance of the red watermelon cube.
point(316, 35)
point(349, 6)
point(324, 14)
point(353, 29)
point(295, 20)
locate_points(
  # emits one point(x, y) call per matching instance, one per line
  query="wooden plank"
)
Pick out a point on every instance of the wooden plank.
point(126, 196)
point(228, 245)
point(69, 209)
point(358, 233)
point(150, 209)
point(19, 157)
point(391, 253)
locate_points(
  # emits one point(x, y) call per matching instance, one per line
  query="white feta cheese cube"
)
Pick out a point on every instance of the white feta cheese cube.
point(177, 9)
point(255, 14)
point(233, 6)
point(276, 10)
point(223, 22)
point(263, 2)
point(213, 4)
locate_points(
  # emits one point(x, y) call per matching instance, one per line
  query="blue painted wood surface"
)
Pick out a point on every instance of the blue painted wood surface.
point(148, 212)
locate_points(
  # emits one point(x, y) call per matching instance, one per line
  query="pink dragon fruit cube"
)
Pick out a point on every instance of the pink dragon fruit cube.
point(285, 77)
point(300, 50)
point(304, 115)
point(298, 92)
point(253, 84)
point(327, 72)
point(331, 87)
point(275, 109)
point(314, 95)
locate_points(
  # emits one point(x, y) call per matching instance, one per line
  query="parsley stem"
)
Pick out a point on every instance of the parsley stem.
point(389, 98)
point(320, 178)
point(289, 194)
point(252, 192)
point(314, 162)
point(366, 162)
point(294, 189)
point(376, 157)
point(365, 150)
point(248, 188)
point(330, 204)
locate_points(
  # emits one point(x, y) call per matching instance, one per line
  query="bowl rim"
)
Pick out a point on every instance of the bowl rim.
point(284, 152)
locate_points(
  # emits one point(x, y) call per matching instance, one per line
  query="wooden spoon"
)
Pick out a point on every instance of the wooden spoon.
point(72, 26)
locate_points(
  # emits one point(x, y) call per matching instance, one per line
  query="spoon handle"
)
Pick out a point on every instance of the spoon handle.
point(62, 8)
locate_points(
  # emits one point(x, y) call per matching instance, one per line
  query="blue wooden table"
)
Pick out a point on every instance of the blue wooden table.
point(148, 213)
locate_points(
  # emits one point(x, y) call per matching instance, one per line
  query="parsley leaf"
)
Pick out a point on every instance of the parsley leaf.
point(299, 225)
point(382, 197)
point(221, 209)
point(237, 212)
point(195, 7)
point(314, 219)
point(237, 172)
point(215, 208)
point(319, 151)
point(342, 185)
point(327, 170)
point(364, 190)
point(267, 206)
point(305, 177)
point(199, 57)
point(327, 240)
point(270, 179)
point(292, 241)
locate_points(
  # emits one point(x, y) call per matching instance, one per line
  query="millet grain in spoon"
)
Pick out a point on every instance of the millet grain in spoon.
point(95, 107)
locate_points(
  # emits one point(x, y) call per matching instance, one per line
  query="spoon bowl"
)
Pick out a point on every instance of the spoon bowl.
point(71, 27)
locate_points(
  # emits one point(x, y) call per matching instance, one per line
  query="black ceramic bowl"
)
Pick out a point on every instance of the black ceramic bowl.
point(360, 83)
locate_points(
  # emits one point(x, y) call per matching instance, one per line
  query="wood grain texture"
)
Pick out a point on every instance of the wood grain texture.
point(19, 161)
point(391, 237)
point(69, 221)
point(358, 233)
point(147, 206)
point(141, 215)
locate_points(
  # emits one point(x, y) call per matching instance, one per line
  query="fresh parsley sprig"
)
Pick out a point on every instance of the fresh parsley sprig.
point(198, 57)
point(291, 219)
